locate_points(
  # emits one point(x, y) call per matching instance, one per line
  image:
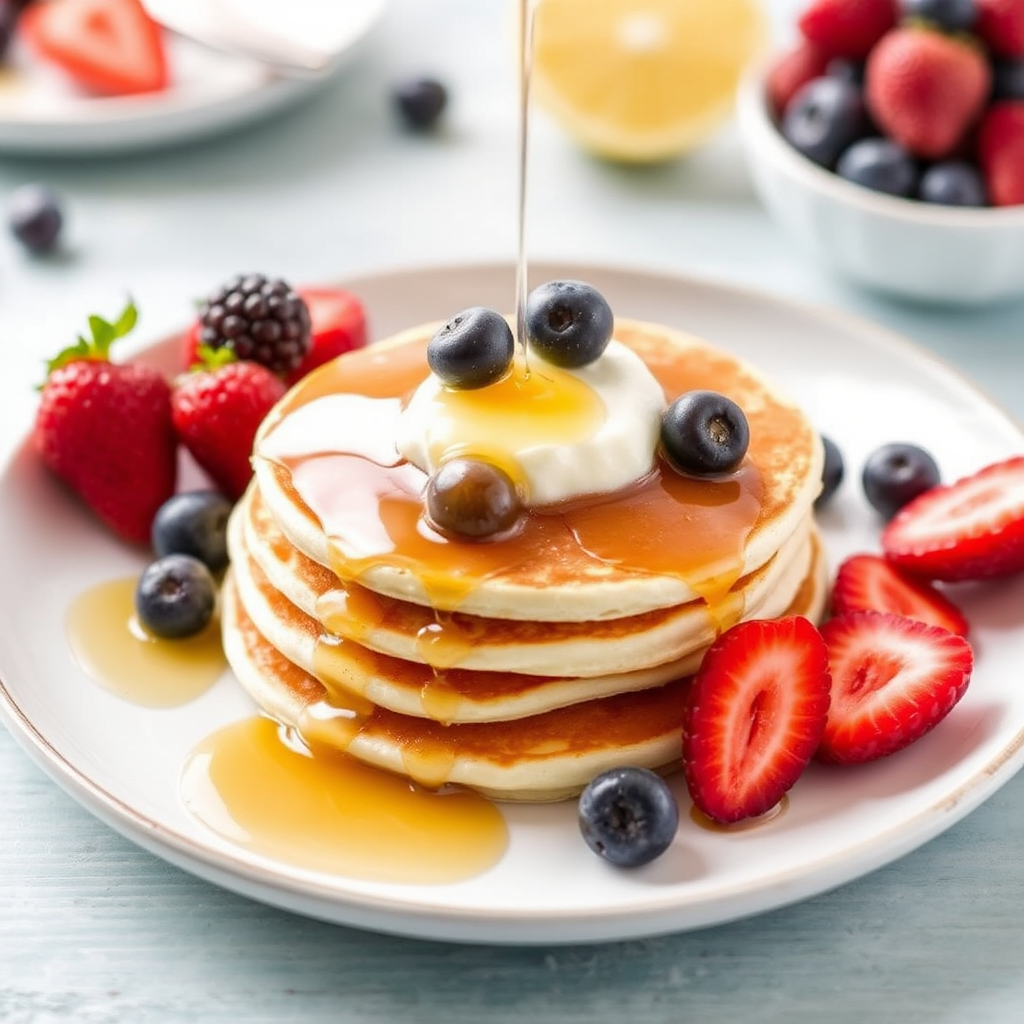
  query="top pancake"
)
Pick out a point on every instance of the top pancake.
point(350, 504)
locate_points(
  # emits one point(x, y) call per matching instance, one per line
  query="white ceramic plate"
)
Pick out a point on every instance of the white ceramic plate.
point(42, 112)
point(862, 385)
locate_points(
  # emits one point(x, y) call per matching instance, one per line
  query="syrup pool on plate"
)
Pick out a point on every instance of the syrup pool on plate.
point(255, 784)
point(113, 648)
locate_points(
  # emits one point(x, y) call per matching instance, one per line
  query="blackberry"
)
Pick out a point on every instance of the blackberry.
point(260, 319)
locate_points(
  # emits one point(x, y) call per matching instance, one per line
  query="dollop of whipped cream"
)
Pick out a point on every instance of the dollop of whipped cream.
point(559, 433)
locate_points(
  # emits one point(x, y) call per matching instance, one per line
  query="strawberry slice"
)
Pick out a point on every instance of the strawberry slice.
point(893, 679)
point(754, 716)
point(870, 583)
point(111, 47)
point(970, 530)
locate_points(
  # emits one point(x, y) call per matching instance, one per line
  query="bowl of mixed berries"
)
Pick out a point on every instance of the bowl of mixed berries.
point(889, 141)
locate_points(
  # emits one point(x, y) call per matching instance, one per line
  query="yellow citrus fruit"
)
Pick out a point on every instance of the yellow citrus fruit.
point(642, 80)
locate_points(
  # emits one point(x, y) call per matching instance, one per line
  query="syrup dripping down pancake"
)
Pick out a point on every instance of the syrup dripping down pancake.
point(548, 756)
point(665, 542)
point(451, 640)
point(349, 669)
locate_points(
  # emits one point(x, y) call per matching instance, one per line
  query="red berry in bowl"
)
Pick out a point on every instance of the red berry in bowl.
point(1001, 152)
point(1001, 25)
point(848, 28)
point(924, 89)
point(791, 72)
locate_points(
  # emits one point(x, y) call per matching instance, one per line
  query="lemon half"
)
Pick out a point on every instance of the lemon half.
point(642, 80)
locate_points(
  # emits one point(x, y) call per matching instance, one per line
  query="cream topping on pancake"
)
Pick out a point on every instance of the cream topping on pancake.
point(559, 433)
point(662, 541)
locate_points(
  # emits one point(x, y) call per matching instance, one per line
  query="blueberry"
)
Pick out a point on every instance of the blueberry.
point(880, 165)
point(472, 350)
point(954, 15)
point(704, 433)
point(175, 596)
point(472, 499)
point(846, 70)
point(953, 183)
point(831, 472)
point(10, 12)
point(628, 816)
point(420, 102)
point(824, 118)
point(1008, 78)
point(896, 474)
point(194, 523)
point(568, 323)
point(35, 218)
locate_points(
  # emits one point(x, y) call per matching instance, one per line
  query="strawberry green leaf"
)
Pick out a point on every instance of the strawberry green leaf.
point(102, 333)
point(210, 358)
point(127, 320)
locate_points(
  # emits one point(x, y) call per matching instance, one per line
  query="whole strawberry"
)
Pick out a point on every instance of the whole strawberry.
point(848, 28)
point(216, 411)
point(1001, 25)
point(1001, 152)
point(925, 89)
point(105, 429)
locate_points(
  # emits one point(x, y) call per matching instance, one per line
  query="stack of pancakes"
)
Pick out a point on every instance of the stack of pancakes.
point(520, 667)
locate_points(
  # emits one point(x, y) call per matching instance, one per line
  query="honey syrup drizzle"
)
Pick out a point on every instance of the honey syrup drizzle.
point(688, 528)
point(319, 809)
point(113, 648)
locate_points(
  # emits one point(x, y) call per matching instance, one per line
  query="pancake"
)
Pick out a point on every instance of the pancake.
point(547, 756)
point(456, 640)
point(348, 668)
point(350, 505)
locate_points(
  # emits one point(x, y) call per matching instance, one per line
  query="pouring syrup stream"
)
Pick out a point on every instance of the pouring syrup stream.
point(525, 69)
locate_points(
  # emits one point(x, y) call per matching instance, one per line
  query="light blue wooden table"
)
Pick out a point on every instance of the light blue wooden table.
point(93, 930)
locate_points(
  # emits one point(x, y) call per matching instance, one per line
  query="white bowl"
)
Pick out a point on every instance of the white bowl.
point(922, 251)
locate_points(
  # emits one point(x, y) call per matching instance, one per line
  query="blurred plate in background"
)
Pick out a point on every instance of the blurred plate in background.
point(41, 112)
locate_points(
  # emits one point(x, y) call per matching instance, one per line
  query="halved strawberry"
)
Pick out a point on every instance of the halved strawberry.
point(893, 679)
point(970, 530)
point(754, 717)
point(870, 583)
point(111, 47)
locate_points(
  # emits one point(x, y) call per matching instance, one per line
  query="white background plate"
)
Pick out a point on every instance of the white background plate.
point(860, 384)
point(42, 112)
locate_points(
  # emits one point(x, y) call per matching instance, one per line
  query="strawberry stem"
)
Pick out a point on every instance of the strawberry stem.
point(104, 334)
point(210, 358)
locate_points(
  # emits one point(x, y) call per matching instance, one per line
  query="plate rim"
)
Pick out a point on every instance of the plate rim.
point(405, 915)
